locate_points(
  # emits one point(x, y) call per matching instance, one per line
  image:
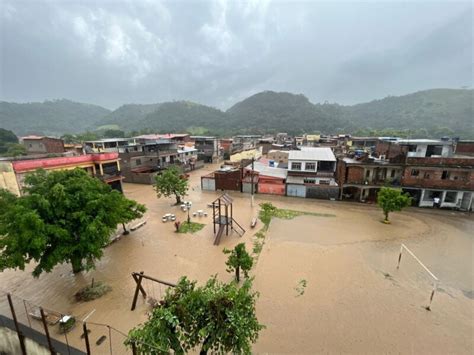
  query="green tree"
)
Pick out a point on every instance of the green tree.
point(113, 133)
point(391, 200)
point(15, 150)
point(6, 137)
point(238, 260)
point(64, 216)
point(216, 317)
point(170, 182)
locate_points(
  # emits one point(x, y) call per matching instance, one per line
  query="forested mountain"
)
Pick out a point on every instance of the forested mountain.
point(49, 117)
point(437, 109)
point(182, 116)
point(126, 115)
point(426, 113)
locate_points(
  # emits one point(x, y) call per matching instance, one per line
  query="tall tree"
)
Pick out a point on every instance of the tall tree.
point(216, 317)
point(6, 137)
point(391, 200)
point(64, 216)
point(238, 260)
point(171, 182)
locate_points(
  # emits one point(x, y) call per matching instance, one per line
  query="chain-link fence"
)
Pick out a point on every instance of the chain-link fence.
point(57, 332)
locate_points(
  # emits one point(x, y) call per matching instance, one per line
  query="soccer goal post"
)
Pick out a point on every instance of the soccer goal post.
point(403, 247)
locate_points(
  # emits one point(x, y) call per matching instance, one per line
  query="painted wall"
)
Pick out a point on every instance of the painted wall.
point(8, 179)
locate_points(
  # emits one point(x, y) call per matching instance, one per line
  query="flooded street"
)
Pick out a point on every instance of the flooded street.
point(355, 300)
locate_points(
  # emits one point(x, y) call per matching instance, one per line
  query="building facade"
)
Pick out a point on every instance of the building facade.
point(311, 173)
point(43, 145)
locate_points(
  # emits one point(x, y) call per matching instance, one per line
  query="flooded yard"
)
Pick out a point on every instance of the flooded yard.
point(353, 298)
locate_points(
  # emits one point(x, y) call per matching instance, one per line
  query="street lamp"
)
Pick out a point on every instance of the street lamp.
point(188, 207)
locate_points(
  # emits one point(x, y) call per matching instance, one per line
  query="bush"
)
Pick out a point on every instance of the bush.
point(93, 291)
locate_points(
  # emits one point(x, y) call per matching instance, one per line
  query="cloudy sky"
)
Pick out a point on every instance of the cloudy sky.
point(219, 52)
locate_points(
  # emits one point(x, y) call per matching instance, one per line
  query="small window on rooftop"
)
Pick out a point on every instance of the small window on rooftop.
point(415, 172)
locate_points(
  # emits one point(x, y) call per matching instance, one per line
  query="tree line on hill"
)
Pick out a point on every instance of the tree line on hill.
point(429, 113)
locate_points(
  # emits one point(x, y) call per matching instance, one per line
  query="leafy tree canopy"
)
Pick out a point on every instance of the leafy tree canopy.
point(6, 137)
point(171, 182)
point(216, 317)
point(64, 216)
point(238, 260)
point(15, 150)
point(391, 200)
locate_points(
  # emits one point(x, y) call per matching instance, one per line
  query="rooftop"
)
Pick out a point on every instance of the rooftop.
point(265, 170)
point(162, 136)
point(310, 153)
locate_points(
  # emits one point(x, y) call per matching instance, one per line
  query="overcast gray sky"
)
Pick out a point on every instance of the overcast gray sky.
point(219, 52)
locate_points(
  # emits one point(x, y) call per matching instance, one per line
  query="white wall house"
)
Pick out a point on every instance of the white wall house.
point(311, 173)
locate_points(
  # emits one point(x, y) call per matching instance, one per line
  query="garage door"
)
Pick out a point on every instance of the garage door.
point(208, 184)
point(296, 190)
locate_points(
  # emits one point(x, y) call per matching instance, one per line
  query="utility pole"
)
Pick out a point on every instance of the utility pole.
point(251, 184)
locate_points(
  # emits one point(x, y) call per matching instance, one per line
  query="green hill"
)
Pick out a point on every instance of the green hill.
point(126, 115)
point(434, 110)
point(426, 113)
point(274, 112)
point(49, 117)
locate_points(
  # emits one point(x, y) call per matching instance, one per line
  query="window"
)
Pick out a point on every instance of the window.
point(450, 197)
point(138, 162)
point(445, 175)
point(415, 172)
point(392, 173)
point(367, 174)
point(310, 166)
point(309, 181)
point(426, 176)
point(324, 182)
point(295, 166)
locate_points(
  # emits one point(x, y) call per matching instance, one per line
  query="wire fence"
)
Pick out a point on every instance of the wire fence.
point(62, 333)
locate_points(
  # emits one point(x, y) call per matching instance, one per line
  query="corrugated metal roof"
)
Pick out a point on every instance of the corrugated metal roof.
point(266, 170)
point(310, 153)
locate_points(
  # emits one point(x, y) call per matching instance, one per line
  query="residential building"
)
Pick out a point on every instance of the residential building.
point(105, 166)
point(390, 148)
point(142, 161)
point(207, 148)
point(107, 145)
point(311, 173)
point(361, 179)
point(451, 179)
point(278, 156)
point(42, 145)
point(266, 179)
point(427, 169)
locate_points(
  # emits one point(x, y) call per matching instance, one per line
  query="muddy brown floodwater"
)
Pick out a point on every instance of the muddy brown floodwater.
point(355, 299)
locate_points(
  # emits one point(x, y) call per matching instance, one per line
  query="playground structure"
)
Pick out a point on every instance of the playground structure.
point(222, 218)
point(140, 279)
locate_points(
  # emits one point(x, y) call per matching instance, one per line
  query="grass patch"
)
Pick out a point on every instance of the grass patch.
point(300, 288)
point(191, 227)
point(290, 214)
point(93, 291)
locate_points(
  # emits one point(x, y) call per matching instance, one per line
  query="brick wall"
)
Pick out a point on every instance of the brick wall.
point(432, 178)
point(54, 145)
point(465, 148)
point(389, 149)
point(464, 162)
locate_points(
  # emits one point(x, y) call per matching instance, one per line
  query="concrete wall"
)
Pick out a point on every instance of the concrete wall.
point(322, 192)
point(9, 344)
point(8, 179)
